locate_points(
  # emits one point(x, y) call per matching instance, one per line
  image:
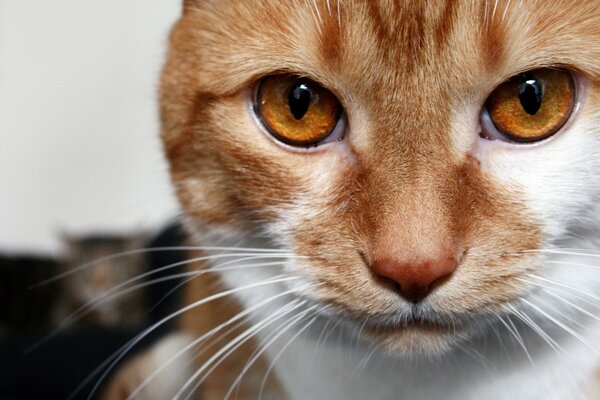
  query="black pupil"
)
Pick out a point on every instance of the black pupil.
point(299, 100)
point(531, 94)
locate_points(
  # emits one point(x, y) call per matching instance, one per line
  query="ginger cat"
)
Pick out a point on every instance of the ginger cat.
point(399, 199)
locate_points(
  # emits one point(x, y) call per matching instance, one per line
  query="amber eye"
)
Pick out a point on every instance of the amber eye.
point(532, 106)
point(297, 111)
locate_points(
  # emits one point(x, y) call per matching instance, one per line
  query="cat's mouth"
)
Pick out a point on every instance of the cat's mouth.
point(416, 334)
point(414, 323)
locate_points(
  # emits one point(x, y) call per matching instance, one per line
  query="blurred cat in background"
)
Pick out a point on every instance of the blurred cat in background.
point(103, 273)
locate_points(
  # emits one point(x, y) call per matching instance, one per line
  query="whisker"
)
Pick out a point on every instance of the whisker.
point(210, 269)
point(226, 350)
point(319, 340)
point(536, 328)
point(560, 313)
point(566, 251)
point(571, 264)
point(561, 325)
point(162, 249)
point(576, 289)
point(263, 347)
point(112, 360)
point(119, 291)
point(263, 382)
point(193, 274)
point(506, 7)
point(215, 269)
point(475, 355)
point(227, 332)
point(499, 336)
point(365, 361)
point(562, 290)
point(515, 333)
point(578, 308)
point(238, 317)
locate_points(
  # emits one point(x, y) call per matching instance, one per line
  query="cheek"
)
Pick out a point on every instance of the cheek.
point(556, 178)
point(225, 166)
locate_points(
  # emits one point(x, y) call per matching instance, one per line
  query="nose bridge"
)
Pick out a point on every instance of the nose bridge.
point(411, 188)
point(413, 174)
point(417, 242)
point(417, 224)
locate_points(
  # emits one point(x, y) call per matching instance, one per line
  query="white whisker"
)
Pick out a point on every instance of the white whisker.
point(566, 252)
point(365, 361)
point(572, 264)
point(163, 249)
point(560, 313)
point(216, 268)
point(536, 328)
point(226, 350)
point(120, 353)
point(121, 290)
point(515, 333)
point(561, 325)
point(563, 285)
point(197, 341)
point(264, 346)
point(578, 308)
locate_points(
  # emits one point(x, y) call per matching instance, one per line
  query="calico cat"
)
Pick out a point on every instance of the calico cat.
point(100, 278)
point(400, 195)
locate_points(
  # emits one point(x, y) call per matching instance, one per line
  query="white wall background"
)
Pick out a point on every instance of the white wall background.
point(79, 148)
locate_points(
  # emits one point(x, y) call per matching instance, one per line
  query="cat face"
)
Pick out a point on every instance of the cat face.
point(415, 212)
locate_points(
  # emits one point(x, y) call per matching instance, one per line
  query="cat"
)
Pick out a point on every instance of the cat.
point(411, 188)
point(95, 283)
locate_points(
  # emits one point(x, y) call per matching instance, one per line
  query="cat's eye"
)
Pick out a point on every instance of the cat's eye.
point(297, 111)
point(531, 106)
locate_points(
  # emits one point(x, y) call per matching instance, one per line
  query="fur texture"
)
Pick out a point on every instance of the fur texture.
point(412, 177)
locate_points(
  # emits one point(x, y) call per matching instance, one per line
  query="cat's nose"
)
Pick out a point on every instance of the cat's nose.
point(415, 280)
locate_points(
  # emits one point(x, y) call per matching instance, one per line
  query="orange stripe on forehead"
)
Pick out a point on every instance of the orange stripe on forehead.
point(444, 20)
point(331, 43)
point(399, 29)
point(492, 18)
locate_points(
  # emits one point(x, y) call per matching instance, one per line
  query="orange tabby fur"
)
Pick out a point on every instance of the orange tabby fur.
point(409, 183)
point(202, 319)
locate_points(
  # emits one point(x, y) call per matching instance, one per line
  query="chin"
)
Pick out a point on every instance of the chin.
point(416, 339)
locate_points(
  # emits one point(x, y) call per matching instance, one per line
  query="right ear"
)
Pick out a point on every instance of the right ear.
point(66, 237)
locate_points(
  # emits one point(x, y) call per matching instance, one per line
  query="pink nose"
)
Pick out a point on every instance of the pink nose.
point(415, 280)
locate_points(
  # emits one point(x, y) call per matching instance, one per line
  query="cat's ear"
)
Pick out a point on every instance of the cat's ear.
point(70, 243)
point(65, 237)
point(137, 239)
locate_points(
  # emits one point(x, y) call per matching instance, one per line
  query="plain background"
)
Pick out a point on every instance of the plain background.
point(79, 148)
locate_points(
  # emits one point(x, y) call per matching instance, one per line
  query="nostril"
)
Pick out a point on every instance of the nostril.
point(414, 294)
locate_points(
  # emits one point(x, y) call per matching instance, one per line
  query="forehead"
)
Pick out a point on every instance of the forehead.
point(384, 42)
point(414, 68)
